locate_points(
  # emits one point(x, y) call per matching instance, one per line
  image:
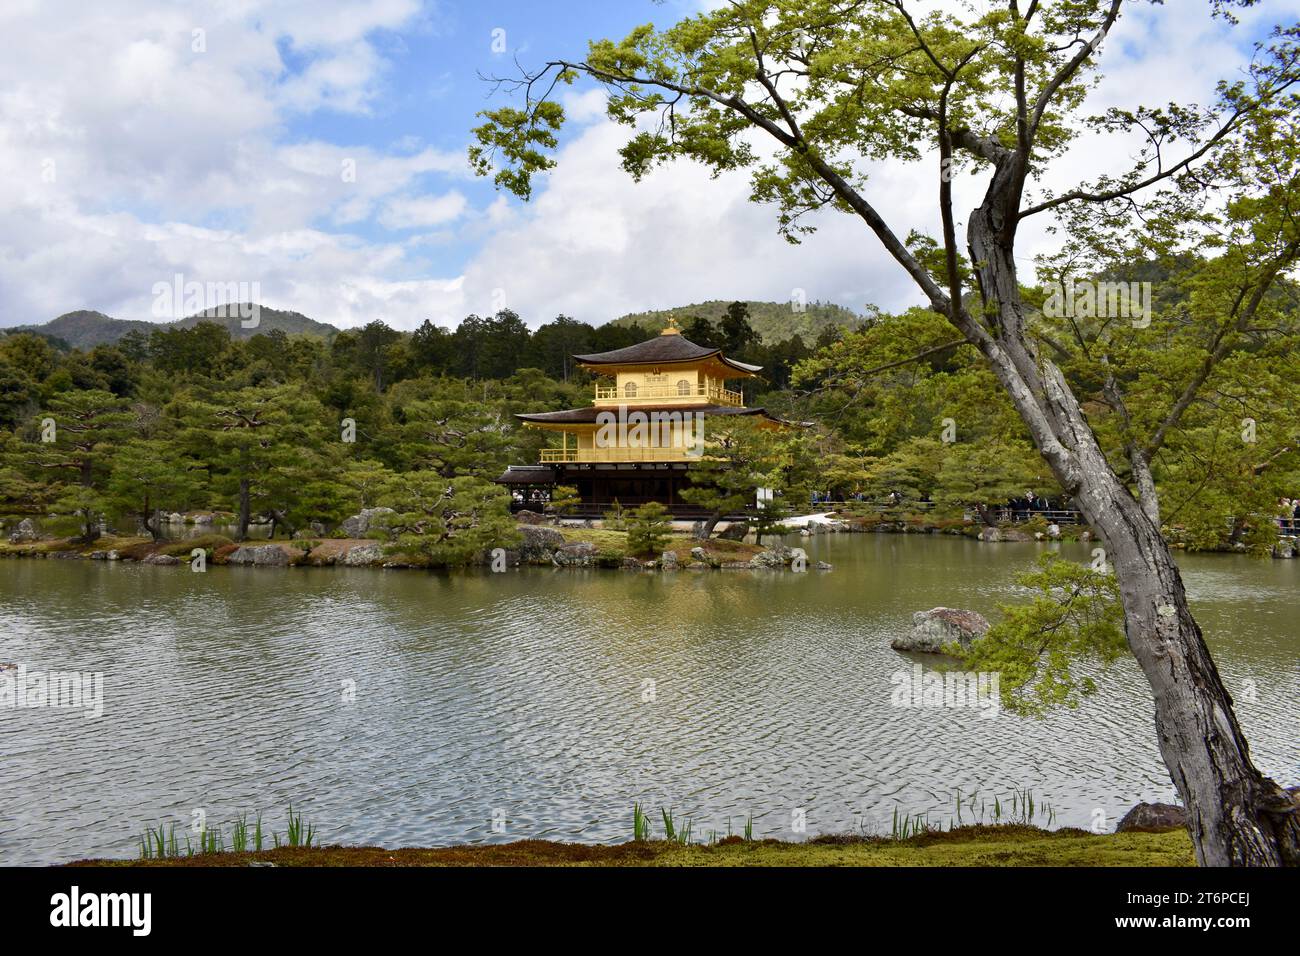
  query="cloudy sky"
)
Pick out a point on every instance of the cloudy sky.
point(316, 149)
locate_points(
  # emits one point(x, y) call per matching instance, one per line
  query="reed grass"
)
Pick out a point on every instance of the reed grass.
point(640, 823)
point(160, 842)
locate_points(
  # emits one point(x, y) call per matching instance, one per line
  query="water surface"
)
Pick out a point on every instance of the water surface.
point(527, 697)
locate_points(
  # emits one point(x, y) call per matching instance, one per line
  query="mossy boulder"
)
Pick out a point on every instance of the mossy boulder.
point(939, 627)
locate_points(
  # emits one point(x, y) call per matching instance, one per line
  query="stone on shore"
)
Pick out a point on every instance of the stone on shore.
point(262, 555)
point(539, 543)
point(530, 517)
point(25, 532)
point(362, 556)
point(935, 629)
point(166, 559)
point(1153, 816)
point(575, 554)
point(1004, 534)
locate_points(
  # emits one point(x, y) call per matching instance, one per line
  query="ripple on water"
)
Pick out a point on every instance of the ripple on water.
point(555, 700)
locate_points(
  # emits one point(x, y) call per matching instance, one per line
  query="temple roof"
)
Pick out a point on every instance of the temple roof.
point(587, 416)
point(527, 475)
point(664, 350)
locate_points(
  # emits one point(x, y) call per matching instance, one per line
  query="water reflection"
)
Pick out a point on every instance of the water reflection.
point(525, 695)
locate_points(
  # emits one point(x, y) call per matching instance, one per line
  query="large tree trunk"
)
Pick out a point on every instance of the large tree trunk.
point(1237, 817)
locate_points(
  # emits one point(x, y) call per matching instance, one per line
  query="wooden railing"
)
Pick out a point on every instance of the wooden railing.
point(598, 509)
point(612, 394)
point(550, 456)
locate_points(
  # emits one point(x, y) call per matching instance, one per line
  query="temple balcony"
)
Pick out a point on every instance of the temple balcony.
point(667, 395)
point(550, 456)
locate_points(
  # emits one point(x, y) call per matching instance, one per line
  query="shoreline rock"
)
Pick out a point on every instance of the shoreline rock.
point(1153, 816)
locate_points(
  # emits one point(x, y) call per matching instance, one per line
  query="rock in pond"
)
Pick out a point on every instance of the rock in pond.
point(777, 557)
point(935, 629)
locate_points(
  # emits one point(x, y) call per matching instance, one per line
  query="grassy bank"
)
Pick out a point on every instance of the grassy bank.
point(965, 846)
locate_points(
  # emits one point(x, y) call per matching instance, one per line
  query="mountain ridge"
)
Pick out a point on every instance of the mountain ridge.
point(774, 322)
point(85, 328)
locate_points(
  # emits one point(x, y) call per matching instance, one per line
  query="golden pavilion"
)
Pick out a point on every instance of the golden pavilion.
point(635, 443)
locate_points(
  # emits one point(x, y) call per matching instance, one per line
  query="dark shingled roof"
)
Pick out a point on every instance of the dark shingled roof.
point(527, 475)
point(663, 349)
point(587, 416)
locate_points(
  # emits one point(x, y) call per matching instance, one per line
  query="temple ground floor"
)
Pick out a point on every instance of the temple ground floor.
point(600, 485)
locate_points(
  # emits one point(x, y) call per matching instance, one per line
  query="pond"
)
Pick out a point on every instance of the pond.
point(402, 708)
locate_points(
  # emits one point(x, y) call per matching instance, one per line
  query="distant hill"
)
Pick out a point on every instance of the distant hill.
point(773, 321)
point(85, 329)
point(290, 323)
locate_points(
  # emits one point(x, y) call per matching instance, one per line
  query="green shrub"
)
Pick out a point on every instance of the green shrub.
point(616, 518)
point(648, 529)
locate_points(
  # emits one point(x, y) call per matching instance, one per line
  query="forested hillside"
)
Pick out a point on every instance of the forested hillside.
point(191, 416)
point(774, 322)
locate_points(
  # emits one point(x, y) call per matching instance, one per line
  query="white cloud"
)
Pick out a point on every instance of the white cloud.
point(132, 129)
point(407, 212)
point(130, 151)
point(594, 245)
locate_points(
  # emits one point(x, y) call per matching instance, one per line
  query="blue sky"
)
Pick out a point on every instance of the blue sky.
point(145, 139)
point(432, 92)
